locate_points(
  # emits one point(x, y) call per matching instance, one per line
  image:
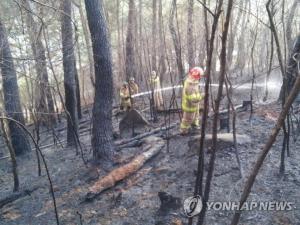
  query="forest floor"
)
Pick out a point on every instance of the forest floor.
point(135, 200)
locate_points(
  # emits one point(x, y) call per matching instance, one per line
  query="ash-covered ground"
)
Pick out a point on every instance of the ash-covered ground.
point(135, 200)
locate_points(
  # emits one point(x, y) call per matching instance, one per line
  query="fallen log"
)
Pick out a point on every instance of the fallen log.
point(153, 145)
point(141, 136)
point(17, 195)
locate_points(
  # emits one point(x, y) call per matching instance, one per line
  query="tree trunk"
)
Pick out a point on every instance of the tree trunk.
point(232, 36)
point(290, 19)
point(120, 58)
point(87, 39)
point(79, 114)
point(102, 131)
point(12, 103)
point(241, 59)
point(154, 23)
point(190, 34)
point(44, 102)
point(130, 56)
point(162, 52)
point(218, 100)
point(292, 66)
point(176, 40)
point(69, 72)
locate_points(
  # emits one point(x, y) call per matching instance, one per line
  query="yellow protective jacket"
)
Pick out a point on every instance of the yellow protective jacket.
point(134, 88)
point(124, 94)
point(191, 96)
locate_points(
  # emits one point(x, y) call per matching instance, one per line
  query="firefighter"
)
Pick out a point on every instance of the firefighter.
point(156, 89)
point(191, 99)
point(134, 88)
point(125, 97)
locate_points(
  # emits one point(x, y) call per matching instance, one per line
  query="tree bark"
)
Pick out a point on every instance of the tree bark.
point(102, 131)
point(176, 41)
point(162, 52)
point(78, 98)
point(130, 66)
point(12, 154)
point(290, 19)
point(87, 39)
point(232, 35)
point(12, 102)
point(68, 45)
point(190, 34)
point(154, 35)
point(44, 102)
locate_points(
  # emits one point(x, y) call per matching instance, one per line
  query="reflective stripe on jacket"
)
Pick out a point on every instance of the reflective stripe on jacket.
point(191, 96)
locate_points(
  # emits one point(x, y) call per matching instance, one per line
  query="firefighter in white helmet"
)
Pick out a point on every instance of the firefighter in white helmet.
point(156, 89)
point(191, 100)
point(134, 88)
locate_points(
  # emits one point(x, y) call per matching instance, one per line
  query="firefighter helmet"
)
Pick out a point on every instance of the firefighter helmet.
point(196, 73)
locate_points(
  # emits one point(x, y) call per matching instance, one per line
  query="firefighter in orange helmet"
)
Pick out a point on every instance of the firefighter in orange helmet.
point(191, 100)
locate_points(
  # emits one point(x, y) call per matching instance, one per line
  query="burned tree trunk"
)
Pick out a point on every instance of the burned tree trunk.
point(232, 35)
point(190, 34)
point(130, 66)
point(87, 39)
point(176, 41)
point(162, 52)
point(154, 23)
point(291, 69)
point(78, 105)
point(290, 19)
point(69, 72)
point(44, 101)
point(12, 103)
point(6, 135)
point(223, 58)
point(102, 132)
point(210, 49)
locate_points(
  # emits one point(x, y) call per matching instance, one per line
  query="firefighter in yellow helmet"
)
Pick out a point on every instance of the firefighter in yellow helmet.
point(191, 100)
point(125, 97)
point(134, 88)
point(156, 88)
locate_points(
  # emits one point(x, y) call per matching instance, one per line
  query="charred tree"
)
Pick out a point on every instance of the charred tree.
point(218, 100)
point(176, 42)
point(162, 53)
point(86, 33)
point(102, 131)
point(130, 66)
point(233, 31)
point(12, 102)
point(190, 34)
point(154, 31)
point(290, 19)
point(44, 101)
point(68, 45)
point(78, 105)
